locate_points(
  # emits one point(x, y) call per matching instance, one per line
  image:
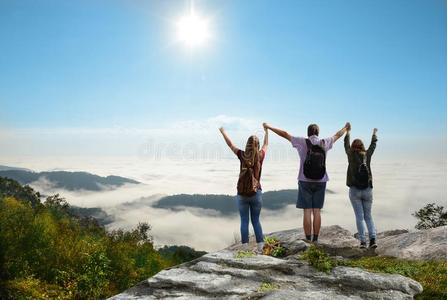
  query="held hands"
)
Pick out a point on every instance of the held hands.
point(266, 126)
point(221, 129)
point(348, 126)
point(375, 131)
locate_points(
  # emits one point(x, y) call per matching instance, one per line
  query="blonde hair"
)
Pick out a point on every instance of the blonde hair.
point(251, 154)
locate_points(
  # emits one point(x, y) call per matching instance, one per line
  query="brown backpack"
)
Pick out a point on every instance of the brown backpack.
point(248, 185)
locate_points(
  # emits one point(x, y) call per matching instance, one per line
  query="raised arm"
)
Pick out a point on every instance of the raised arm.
point(342, 131)
point(279, 132)
point(348, 141)
point(266, 138)
point(228, 141)
point(372, 146)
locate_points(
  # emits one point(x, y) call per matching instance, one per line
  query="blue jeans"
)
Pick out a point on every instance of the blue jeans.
point(250, 206)
point(361, 201)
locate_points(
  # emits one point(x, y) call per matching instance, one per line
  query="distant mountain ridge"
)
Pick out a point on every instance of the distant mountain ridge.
point(8, 168)
point(225, 204)
point(71, 181)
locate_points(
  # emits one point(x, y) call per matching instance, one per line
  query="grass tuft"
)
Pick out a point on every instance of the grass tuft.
point(244, 254)
point(432, 275)
point(319, 259)
point(267, 287)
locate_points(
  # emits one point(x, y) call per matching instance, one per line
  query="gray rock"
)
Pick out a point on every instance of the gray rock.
point(388, 233)
point(222, 275)
point(430, 244)
point(384, 234)
point(334, 239)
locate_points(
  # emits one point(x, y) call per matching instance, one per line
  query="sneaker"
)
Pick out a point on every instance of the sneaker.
point(362, 245)
point(245, 247)
point(260, 248)
point(372, 244)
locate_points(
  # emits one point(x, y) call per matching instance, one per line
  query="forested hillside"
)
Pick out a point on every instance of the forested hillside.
point(48, 252)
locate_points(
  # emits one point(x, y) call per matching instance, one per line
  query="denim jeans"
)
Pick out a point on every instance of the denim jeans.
point(250, 207)
point(361, 201)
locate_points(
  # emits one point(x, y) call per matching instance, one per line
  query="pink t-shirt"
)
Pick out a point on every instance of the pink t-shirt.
point(300, 144)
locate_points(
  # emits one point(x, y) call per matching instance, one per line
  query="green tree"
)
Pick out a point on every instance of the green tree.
point(47, 251)
point(430, 216)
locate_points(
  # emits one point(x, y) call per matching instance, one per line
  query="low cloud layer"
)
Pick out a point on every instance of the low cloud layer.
point(400, 188)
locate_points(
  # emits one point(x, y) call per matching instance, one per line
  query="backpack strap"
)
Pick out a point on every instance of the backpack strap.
point(309, 145)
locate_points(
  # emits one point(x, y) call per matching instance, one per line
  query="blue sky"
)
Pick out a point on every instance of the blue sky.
point(103, 64)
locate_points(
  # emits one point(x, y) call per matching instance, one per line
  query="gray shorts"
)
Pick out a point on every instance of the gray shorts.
point(311, 194)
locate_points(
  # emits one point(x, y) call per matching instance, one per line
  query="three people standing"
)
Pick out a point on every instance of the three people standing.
point(312, 179)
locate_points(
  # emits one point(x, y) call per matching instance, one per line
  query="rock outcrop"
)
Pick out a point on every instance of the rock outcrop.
point(224, 275)
point(221, 275)
point(428, 244)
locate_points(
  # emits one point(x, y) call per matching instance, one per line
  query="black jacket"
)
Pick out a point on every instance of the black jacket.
point(355, 159)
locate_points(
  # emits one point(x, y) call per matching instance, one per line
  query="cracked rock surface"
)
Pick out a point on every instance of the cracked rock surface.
point(223, 275)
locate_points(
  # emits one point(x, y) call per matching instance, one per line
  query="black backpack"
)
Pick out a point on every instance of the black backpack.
point(362, 175)
point(315, 163)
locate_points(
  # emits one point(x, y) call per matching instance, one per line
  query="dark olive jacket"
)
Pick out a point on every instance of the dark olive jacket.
point(355, 159)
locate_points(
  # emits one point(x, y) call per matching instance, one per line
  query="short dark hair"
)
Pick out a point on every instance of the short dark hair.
point(313, 129)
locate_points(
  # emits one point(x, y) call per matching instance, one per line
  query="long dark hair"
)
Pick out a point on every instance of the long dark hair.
point(358, 146)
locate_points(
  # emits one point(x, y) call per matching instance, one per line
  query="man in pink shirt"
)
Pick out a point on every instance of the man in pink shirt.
point(312, 176)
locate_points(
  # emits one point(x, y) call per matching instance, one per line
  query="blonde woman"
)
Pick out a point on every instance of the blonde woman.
point(249, 191)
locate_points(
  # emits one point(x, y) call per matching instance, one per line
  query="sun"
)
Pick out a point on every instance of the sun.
point(193, 30)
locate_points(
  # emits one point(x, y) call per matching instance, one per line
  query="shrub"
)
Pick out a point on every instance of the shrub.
point(273, 247)
point(30, 288)
point(45, 248)
point(179, 254)
point(430, 216)
point(319, 259)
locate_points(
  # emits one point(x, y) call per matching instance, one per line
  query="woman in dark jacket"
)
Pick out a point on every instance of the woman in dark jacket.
point(359, 181)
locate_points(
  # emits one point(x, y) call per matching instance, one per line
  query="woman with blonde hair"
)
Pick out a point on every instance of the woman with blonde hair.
point(249, 192)
point(360, 183)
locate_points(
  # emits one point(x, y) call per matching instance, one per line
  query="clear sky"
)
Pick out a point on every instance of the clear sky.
point(106, 64)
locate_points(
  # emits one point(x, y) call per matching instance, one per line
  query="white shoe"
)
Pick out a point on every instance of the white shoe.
point(260, 248)
point(245, 247)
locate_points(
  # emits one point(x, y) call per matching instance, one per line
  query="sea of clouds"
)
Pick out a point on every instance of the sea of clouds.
point(400, 188)
point(190, 157)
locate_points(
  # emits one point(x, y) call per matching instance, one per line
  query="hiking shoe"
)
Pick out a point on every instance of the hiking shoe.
point(362, 245)
point(372, 244)
point(245, 247)
point(260, 248)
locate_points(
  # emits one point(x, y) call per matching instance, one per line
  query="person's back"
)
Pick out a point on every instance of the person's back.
point(250, 172)
point(312, 188)
point(300, 144)
point(249, 191)
point(358, 156)
point(360, 182)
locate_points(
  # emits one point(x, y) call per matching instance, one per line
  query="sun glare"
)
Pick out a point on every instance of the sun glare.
point(193, 30)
